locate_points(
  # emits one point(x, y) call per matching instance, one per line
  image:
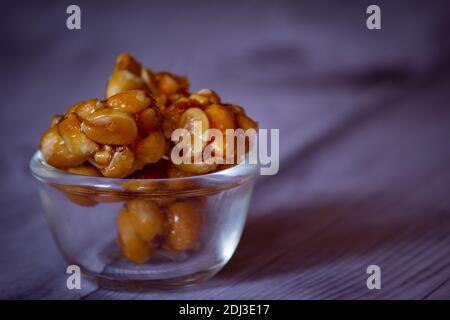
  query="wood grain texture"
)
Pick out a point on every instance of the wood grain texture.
point(364, 121)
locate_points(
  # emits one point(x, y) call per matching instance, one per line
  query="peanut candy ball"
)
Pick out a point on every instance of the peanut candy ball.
point(132, 128)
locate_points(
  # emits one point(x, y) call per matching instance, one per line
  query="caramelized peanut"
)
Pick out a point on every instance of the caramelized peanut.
point(77, 142)
point(108, 126)
point(184, 221)
point(148, 120)
point(149, 78)
point(55, 120)
point(235, 108)
point(245, 122)
point(146, 218)
point(85, 170)
point(126, 62)
point(197, 168)
point(132, 101)
point(189, 118)
point(132, 128)
point(121, 164)
point(196, 122)
point(170, 84)
point(133, 247)
point(174, 172)
point(55, 151)
point(151, 148)
point(205, 97)
point(103, 157)
point(85, 108)
point(177, 183)
point(175, 110)
point(167, 128)
point(123, 80)
point(161, 101)
point(220, 117)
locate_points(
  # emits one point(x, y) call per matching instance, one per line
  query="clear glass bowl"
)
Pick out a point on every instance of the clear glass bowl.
point(82, 213)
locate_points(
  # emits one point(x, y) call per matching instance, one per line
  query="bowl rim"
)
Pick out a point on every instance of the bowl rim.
point(46, 173)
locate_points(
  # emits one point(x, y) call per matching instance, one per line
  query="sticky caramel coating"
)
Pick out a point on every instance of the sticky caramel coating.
point(220, 117)
point(121, 164)
point(133, 126)
point(185, 222)
point(124, 80)
point(169, 83)
point(148, 120)
point(55, 151)
point(151, 148)
point(176, 109)
point(125, 61)
point(133, 247)
point(132, 101)
point(85, 108)
point(103, 157)
point(109, 126)
point(205, 97)
point(76, 141)
point(196, 122)
point(85, 170)
point(147, 219)
point(245, 122)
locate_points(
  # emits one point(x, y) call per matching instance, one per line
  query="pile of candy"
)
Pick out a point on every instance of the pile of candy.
point(132, 127)
point(128, 135)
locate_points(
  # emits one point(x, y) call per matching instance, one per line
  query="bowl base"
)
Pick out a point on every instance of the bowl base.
point(150, 284)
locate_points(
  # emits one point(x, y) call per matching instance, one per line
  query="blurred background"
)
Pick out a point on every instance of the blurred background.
point(364, 121)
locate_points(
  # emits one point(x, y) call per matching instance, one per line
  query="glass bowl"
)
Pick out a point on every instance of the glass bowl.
point(83, 215)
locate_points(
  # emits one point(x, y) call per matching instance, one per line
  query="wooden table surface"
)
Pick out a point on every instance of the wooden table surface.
point(364, 121)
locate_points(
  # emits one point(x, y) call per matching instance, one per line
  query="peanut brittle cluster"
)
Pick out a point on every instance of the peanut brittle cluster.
point(132, 127)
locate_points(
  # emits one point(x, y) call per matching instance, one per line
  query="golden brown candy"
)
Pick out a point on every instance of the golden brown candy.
point(109, 126)
point(103, 157)
point(170, 84)
point(78, 143)
point(55, 151)
point(244, 122)
point(205, 97)
point(197, 168)
point(176, 183)
point(146, 218)
point(196, 122)
point(55, 120)
point(220, 117)
point(121, 164)
point(148, 120)
point(124, 80)
point(133, 247)
point(175, 110)
point(133, 127)
point(126, 62)
point(185, 221)
point(85, 108)
point(161, 101)
point(235, 108)
point(85, 170)
point(151, 148)
point(150, 79)
point(132, 101)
